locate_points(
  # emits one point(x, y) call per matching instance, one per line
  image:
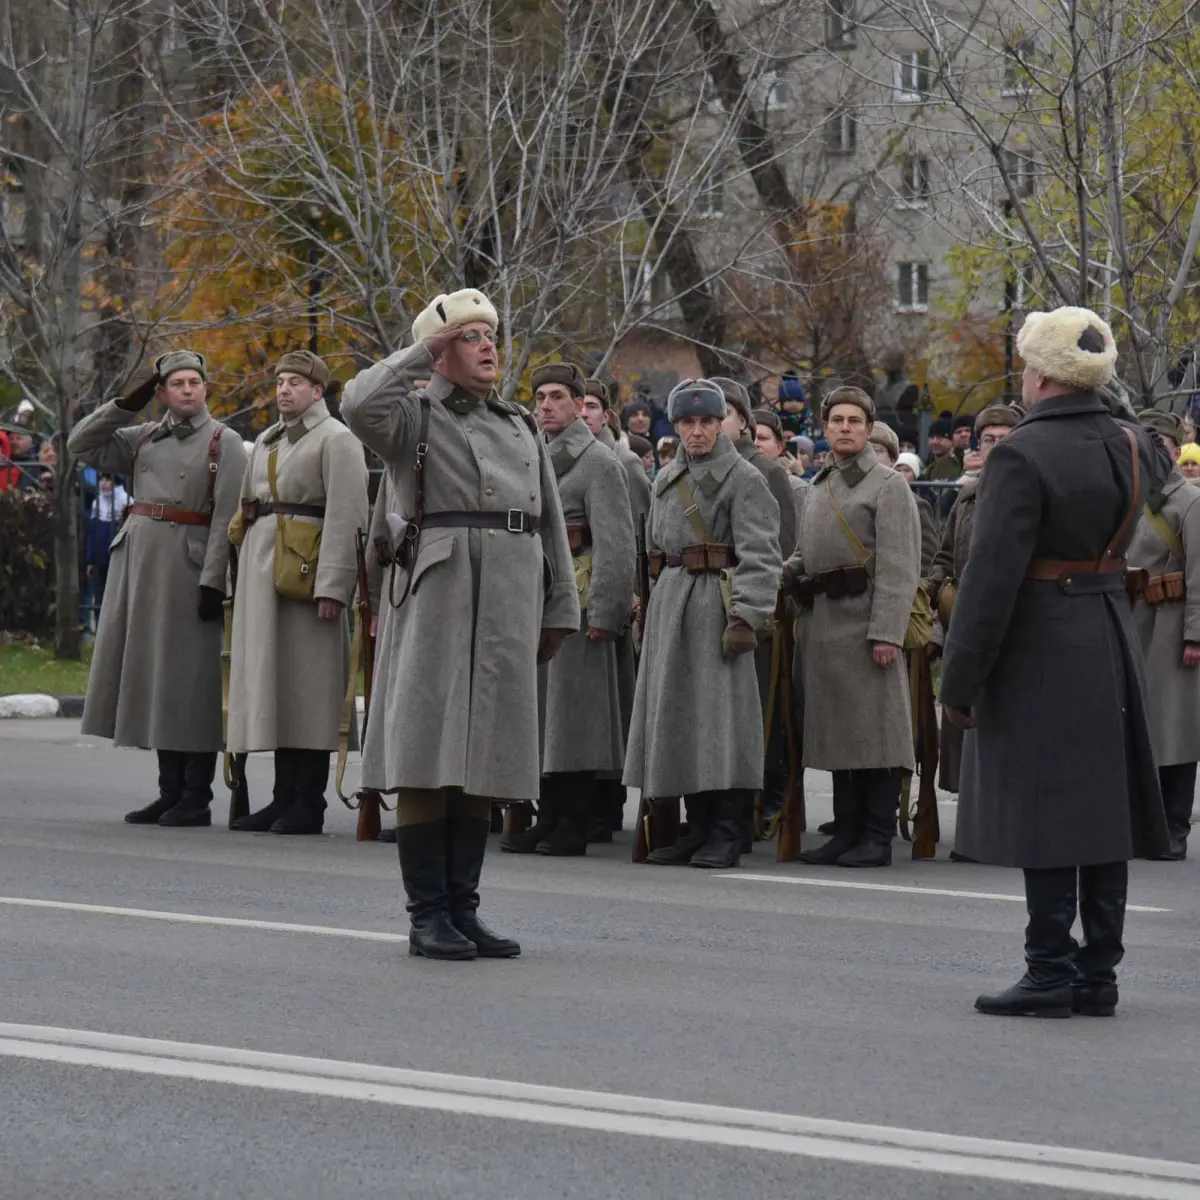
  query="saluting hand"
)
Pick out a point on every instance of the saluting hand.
point(1191, 654)
point(437, 342)
point(884, 653)
point(329, 610)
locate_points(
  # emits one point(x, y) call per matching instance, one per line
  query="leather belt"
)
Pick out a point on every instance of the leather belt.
point(835, 583)
point(253, 509)
point(165, 512)
point(704, 558)
point(1051, 570)
point(579, 537)
point(515, 520)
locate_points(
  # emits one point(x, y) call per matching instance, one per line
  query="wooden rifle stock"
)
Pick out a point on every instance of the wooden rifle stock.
point(657, 826)
point(926, 823)
point(792, 818)
point(370, 802)
point(517, 818)
point(370, 824)
point(235, 764)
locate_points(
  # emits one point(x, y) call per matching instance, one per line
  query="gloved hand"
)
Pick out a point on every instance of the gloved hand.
point(551, 642)
point(787, 579)
point(140, 394)
point(738, 638)
point(212, 604)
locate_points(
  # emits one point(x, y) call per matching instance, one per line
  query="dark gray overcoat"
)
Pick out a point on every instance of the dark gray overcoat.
point(1062, 765)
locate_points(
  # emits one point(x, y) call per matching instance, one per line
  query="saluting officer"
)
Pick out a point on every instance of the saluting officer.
point(304, 500)
point(484, 586)
point(583, 729)
point(1041, 658)
point(156, 670)
point(1165, 556)
point(855, 573)
point(697, 728)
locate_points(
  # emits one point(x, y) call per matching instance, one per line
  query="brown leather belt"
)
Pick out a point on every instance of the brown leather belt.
point(164, 512)
point(514, 520)
point(253, 509)
point(579, 537)
point(834, 583)
point(1051, 570)
point(705, 558)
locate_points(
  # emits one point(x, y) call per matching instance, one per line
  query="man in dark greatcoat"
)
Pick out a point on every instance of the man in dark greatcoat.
point(1041, 657)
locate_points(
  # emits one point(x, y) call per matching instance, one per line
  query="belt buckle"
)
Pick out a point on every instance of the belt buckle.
point(157, 512)
point(516, 520)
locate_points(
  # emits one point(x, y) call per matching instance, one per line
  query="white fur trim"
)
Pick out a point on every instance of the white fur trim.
point(1049, 343)
point(456, 308)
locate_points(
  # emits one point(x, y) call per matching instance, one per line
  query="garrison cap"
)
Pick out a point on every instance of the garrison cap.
point(303, 362)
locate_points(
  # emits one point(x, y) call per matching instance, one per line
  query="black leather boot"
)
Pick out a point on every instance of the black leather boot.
point(879, 792)
point(568, 838)
point(723, 846)
point(170, 789)
point(193, 809)
point(614, 790)
point(1050, 950)
point(526, 842)
point(466, 844)
point(283, 795)
point(600, 818)
point(829, 828)
point(697, 810)
point(847, 802)
point(423, 865)
point(306, 813)
point(1178, 784)
point(1102, 893)
point(387, 834)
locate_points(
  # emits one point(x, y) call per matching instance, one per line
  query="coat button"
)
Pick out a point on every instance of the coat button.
point(527, 462)
point(490, 492)
point(533, 495)
point(491, 533)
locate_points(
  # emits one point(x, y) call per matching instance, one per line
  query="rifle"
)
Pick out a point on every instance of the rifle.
point(792, 820)
point(922, 827)
point(657, 825)
point(234, 766)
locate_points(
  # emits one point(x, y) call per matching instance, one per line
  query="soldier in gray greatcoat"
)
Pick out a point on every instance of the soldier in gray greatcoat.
point(1041, 659)
point(713, 537)
point(306, 479)
point(156, 670)
point(483, 587)
point(855, 573)
point(1165, 553)
point(584, 734)
point(597, 404)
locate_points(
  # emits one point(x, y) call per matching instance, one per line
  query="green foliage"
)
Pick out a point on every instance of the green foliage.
point(26, 668)
point(26, 561)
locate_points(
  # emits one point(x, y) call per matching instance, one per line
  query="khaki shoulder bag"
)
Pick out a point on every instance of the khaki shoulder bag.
point(920, 616)
point(297, 546)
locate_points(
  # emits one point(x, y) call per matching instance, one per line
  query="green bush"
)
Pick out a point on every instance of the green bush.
point(26, 561)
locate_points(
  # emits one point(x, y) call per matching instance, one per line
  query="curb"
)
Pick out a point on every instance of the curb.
point(36, 705)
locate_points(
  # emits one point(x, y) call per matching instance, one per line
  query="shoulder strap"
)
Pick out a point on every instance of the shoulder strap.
point(864, 556)
point(412, 532)
point(1114, 552)
point(272, 478)
point(214, 461)
point(691, 509)
point(1162, 527)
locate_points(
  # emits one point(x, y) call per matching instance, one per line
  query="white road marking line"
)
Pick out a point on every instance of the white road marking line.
point(149, 914)
point(809, 881)
point(1096, 1173)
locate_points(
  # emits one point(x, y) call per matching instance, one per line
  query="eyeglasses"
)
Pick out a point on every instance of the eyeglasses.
point(475, 336)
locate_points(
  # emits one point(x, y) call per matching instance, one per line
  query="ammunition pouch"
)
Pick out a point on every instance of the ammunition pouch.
point(579, 537)
point(1158, 589)
point(835, 583)
point(946, 595)
point(706, 558)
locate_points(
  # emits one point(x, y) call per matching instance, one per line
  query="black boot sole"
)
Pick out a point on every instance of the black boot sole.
point(415, 951)
point(1094, 1010)
point(199, 821)
point(1052, 1014)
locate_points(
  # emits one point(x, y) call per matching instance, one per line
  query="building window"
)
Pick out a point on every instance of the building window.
point(914, 180)
point(912, 287)
point(1017, 59)
point(710, 199)
point(1019, 168)
point(841, 29)
point(913, 77)
point(638, 286)
point(841, 131)
point(776, 95)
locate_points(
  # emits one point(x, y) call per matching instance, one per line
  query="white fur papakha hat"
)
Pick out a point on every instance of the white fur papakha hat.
point(1072, 346)
point(457, 308)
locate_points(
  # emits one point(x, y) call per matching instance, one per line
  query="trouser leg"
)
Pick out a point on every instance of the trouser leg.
point(1178, 784)
point(170, 789)
point(466, 844)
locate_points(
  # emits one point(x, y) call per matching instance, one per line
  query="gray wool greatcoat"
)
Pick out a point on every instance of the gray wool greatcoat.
point(857, 715)
point(635, 475)
point(289, 667)
point(1162, 629)
point(455, 701)
point(156, 669)
point(697, 719)
point(776, 475)
point(949, 563)
point(583, 729)
point(1062, 764)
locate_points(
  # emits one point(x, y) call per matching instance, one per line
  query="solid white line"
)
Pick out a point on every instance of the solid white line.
point(1096, 1173)
point(149, 914)
point(810, 881)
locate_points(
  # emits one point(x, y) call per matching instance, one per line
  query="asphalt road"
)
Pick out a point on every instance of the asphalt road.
point(689, 1034)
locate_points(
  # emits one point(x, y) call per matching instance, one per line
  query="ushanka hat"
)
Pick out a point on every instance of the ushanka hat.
point(696, 398)
point(848, 395)
point(599, 389)
point(736, 397)
point(456, 308)
point(1167, 423)
point(1070, 345)
point(303, 362)
point(568, 374)
point(180, 360)
point(998, 414)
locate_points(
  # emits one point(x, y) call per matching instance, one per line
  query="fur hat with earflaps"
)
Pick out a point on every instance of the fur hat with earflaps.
point(566, 373)
point(457, 308)
point(1072, 346)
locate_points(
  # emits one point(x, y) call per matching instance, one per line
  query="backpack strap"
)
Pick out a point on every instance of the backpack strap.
point(691, 509)
point(214, 462)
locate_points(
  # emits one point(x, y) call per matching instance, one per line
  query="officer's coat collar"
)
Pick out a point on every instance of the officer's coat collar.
point(569, 445)
point(709, 472)
point(853, 470)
